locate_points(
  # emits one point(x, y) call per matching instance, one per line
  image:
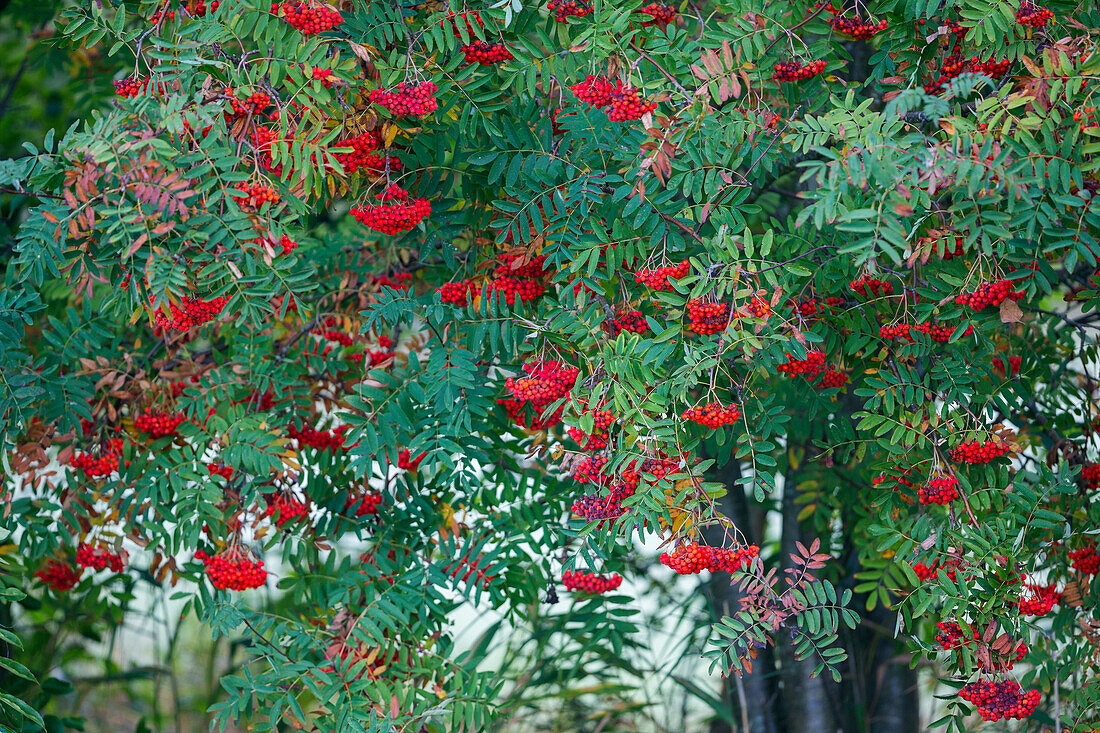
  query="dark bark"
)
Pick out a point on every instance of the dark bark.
point(757, 706)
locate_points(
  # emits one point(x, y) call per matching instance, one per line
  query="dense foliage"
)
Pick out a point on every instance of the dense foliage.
point(396, 308)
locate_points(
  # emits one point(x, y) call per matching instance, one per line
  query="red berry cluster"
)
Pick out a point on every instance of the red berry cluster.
point(620, 101)
point(694, 558)
point(659, 14)
point(1032, 15)
point(812, 307)
point(456, 293)
point(811, 366)
point(395, 214)
point(365, 504)
point(996, 700)
point(940, 490)
point(256, 195)
point(588, 442)
point(1090, 476)
point(362, 155)
point(930, 572)
point(589, 469)
point(987, 294)
point(406, 462)
point(318, 439)
point(220, 469)
point(713, 414)
point(285, 508)
point(658, 278)
point(1039, 599)
point(514, 266)
point(104, 464)
point(758, 308)
point(159, 423)
point(307, 18)
point(1085, 560)
point(407, 99)
point(546, 382)
point(871, 287)
point(190, 312)
point(590, 582)
point(707, 318)
point(626, 320)
point(100, 557)
point(833, 378)
point(956, 64)
point(938, 332)
point(599, 508)
point(1086, 116)
point(485, 53)
point(856, 27)
point(253, 104)
point(131, 86)
point(794, 71)
point(974, 451)
point(1013, 365)
point(58, 575)
point(569, 9)
point(233, 570)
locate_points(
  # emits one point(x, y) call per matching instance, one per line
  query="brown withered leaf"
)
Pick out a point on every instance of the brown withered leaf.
point(1010, 312)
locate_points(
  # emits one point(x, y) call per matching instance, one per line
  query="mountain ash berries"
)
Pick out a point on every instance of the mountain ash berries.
point(713, 414)
point(233, 569)
point(620, 101)
point(308, 18)
point(694, 558)
point(407, 99)
point(590, 582)
point(794, 71)
point(394, 214)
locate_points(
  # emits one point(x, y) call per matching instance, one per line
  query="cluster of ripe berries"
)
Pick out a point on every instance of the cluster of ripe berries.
point(811, 366)
point(253, 104)
point(365, 504)
point(1013, 365)
point(233, 570)
point(545, 383)
point(58, 575)
point(1032, 15)
point(938, 332)
point(930, 572)
point(317, 439)
point(220, 469)
point(694, 558)
point(308, 18)
point(600, 508)
point(950, 637)
point(408, 99)
point(987, 294)
point(569, 9)
point(588, 441)
point(1086, 116)
point(1039, 600)
point(285, 508)
point(100, 557)
point(833, 378)
point(406, 462)
point(794, 71)
point(626, 320)
point(133, 86)
point(856, 27)
point(590, 582)
point(620, 101)
point(976, 451)
point(940, 490)
point(194, 8)
point(395, 213)
point(996, 700)
point(1090, 476)
point(658, 278)
point(871, 287)
point(957, 64)
point(510, 281)
point(1085, 560)
point(485, 53)
point(659, 14)
point(812, 307)
point(707, 318)
point(159, 423)
point(190, 312)
point(103, 464)
point(256, 195)
point(713, 414)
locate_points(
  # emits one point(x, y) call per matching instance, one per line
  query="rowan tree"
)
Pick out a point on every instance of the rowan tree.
point(388, 309)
